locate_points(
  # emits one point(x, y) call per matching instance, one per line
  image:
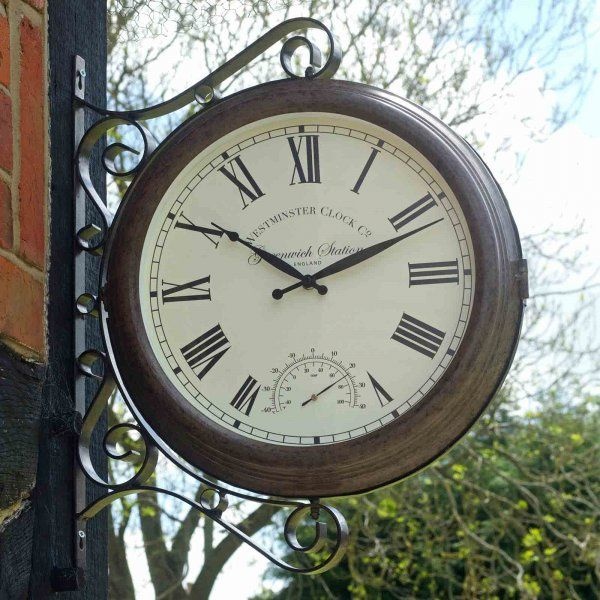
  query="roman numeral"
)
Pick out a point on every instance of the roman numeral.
point(212, 235)
point(246, 395)
point(418, 335)
point(363, 174)
point(199, 289)
point(413, 211)
point(433, 272)
point(383, 397)
point(248, 189)
point(206, 350)
point(311, 171)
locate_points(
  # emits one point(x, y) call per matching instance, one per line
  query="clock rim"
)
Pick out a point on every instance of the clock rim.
point(340, 468)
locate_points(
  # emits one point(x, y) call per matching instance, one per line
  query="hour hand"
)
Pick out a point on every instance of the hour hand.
point(266, 256)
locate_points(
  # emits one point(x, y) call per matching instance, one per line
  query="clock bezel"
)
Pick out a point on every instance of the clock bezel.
point(393, 451)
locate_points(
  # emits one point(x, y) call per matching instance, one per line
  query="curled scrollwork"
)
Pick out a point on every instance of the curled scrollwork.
point(239, 61)
point(316, 68)
point(92, 237)
point(144, 456)
point(213, 498)
point(214, 501)
point(326, 555)
point(287, 53)
point(319, 541)
point(204, 93)
point(136, 443)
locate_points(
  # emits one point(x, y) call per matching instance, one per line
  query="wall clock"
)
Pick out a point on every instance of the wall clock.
point(312, 288)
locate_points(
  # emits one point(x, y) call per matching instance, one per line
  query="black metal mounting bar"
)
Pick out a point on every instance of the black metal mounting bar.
point(97, 364)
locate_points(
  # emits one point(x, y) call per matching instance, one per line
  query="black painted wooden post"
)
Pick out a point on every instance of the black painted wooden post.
point(73, 28)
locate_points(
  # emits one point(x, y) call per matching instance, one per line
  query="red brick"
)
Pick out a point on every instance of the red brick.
point(6, 229)
point(21, 306)
point(4, 52)
point(32, 193)
point(39, 4)
point(5, 132)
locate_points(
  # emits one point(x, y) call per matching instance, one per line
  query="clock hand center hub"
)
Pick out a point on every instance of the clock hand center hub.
point(307, 282)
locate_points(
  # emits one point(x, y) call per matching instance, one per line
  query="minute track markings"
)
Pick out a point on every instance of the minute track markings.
point(261, 433)
point(321, 129)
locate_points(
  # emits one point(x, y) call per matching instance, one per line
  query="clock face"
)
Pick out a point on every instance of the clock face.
point(311, 365)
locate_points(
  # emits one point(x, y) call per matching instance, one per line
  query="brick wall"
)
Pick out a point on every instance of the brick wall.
point(23, 175)
point(38, 39)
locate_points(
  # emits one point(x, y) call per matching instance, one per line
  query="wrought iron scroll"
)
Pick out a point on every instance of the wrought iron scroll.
point(97, 365)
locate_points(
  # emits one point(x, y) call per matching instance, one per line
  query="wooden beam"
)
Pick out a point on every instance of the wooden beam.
point(73, 28)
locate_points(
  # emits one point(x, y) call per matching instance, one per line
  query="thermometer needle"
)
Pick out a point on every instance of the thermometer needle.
point(315, 396)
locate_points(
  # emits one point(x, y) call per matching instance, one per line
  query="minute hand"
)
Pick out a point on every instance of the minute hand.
point(365, 253)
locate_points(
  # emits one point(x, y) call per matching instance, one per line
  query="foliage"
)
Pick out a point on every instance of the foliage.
point(511, 512)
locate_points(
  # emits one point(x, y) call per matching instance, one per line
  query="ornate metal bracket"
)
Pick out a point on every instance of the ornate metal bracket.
point(117, 443)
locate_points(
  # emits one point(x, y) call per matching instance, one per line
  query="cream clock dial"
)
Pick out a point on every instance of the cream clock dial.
point(315, 364)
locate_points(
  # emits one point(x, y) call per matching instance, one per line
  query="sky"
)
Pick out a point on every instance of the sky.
point(555, 187)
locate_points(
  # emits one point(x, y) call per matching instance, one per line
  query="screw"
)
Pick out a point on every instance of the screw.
point(315, 509)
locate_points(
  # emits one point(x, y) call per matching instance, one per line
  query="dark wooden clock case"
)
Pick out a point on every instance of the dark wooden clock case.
point(411, 441)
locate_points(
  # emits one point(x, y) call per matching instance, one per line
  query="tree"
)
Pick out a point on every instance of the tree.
point(459, 59)
point(510, 512)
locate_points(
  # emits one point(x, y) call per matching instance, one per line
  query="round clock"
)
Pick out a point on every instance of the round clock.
point(312, 289)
